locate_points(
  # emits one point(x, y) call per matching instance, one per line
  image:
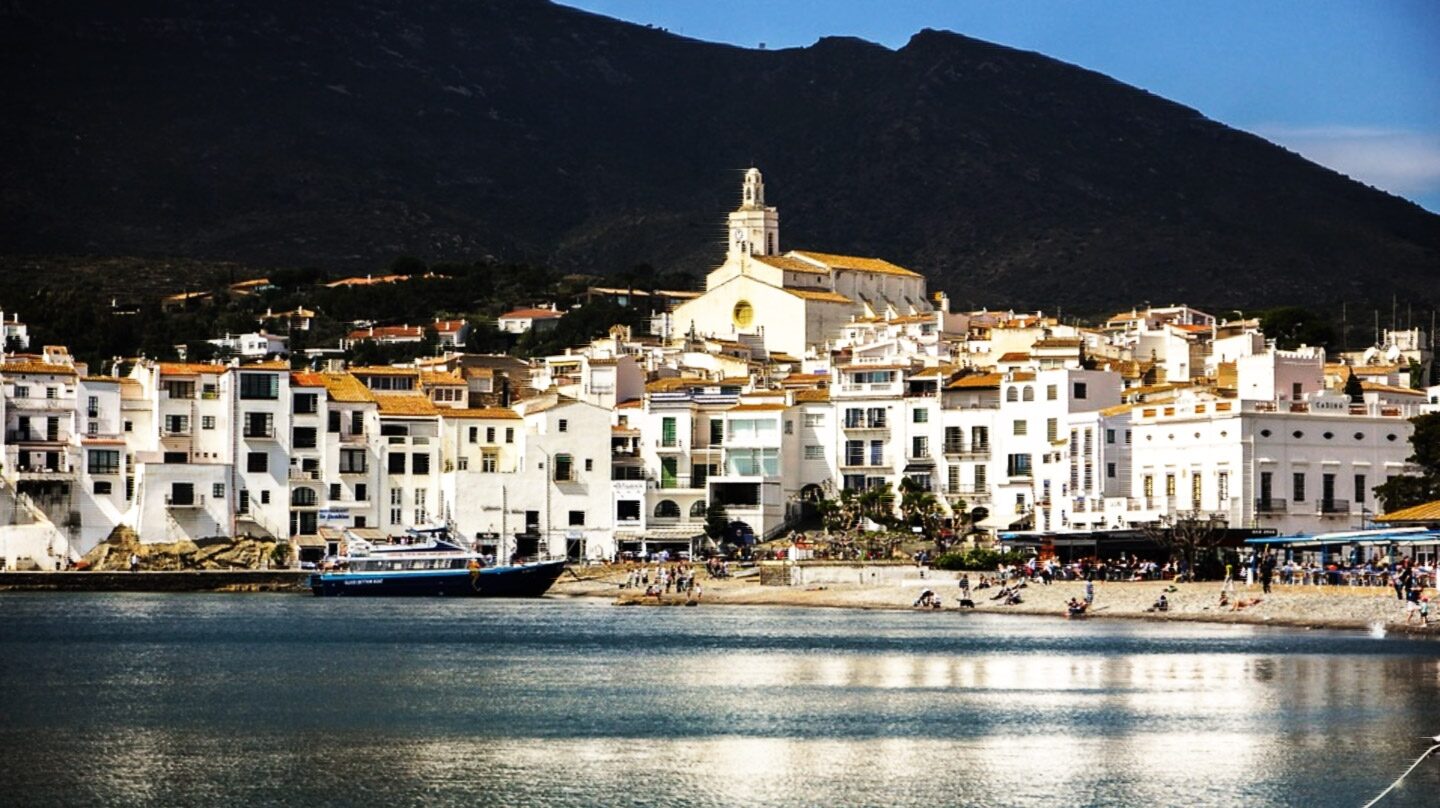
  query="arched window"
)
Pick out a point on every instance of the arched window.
point(1029, 393)
point(1012, 394)
point(303, 497)
point(667, 509)
point(697, 510)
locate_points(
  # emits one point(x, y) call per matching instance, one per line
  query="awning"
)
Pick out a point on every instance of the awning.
point(309, 541)
point(920, 467)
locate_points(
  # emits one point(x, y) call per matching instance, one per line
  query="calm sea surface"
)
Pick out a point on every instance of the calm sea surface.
point(271, 699)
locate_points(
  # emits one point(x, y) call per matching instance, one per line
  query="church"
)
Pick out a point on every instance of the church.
point(795, 300)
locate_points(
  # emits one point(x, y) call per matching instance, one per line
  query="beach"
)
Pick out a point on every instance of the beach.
point(1304, 606)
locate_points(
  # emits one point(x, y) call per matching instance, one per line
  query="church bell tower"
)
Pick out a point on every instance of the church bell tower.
point(754, 229)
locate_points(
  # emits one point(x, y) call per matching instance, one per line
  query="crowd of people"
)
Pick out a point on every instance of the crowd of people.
point(662, 579)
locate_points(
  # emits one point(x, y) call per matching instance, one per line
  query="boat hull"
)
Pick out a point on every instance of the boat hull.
point(518, 581)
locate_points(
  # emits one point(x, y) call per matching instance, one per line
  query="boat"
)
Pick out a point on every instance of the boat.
point(432, 564)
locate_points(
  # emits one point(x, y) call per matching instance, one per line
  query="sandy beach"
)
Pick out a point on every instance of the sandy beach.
point(1295, 606)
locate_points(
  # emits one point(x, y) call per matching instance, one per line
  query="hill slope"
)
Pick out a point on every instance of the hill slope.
point(283, 133)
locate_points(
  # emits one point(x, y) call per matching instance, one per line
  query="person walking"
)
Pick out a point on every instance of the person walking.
point(1267, 571)
point(134, 562)
point(1089, 592)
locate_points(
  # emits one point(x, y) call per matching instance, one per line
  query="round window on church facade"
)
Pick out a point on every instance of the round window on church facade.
point(744, 314)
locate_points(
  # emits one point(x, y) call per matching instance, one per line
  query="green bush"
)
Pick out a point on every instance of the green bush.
point(978, 558)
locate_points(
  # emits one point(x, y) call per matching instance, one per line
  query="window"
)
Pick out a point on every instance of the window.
point(332, 421)
point(717, 432)
point(698, 509)
point(352, 461)
point(1051, 392)
point(589, 464)
point(1297, 390)
point(1052, 429)
point(920, 416)
point(981, 475)
point(1148, 486)
point(489, 434)
point(814, 452)
point(1028, 394)
point(217, 490)
point(922, 481)
point(1266, 487)
point(1169, 485)
point(509, 434)
point(420, 463)
point(854, 452)
point(181, 494)
point(257, 461)
point(129, 426)
point(563, 425)
point(1018, 465)
point(854, 418)
point(1109, 436)
point(1012, 394)
point(1196, 489)
point(304, 497)
point(395, 463)
point(1360, 488)
point(877, 452)
point(814, 419)
point(259, 425)
point(1020, 427)
point(668, 436)
point(104, 461)
point(177, 424)
point(22, 391)
point(259, 386)
point(667, 509)
point(1110, 471)
point(463, 464)
point(102, 488)
point(1297, 485)
point(474, 434)
point(52, 393)
point(1222, 487)
point(564, 468)
point(576, 519)
point(362, 492)
point(397, 496)
point(265, 497)
point(335, 492)
point(919, 446)
point(627, 510)
point(207, 422)
point(422, 511)
point(305, 437)
point(490, 461)
point(1081, 390)
point(306, 403)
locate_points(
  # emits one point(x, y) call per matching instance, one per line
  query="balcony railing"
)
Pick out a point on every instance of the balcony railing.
point(363, 468)
point(18, 436)
point(1332, 507)
point(971, 493)
point(304, 474)
point(1271, 505)
point(353, 437)
point(192, 501)
point(260, 432)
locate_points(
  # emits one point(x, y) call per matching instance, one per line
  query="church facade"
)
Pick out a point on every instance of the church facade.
point(795, 300)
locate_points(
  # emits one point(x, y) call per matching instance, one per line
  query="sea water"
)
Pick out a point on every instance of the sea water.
point(292, 700)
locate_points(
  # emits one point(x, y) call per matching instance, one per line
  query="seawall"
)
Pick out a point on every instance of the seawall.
point(166, 581)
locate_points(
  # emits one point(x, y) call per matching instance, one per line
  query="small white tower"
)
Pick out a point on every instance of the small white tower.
point(753, 228)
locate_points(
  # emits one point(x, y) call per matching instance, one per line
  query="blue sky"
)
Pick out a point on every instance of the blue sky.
point(1350, 84)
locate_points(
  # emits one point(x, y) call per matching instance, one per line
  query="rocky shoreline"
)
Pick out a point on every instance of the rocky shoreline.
point(1306, 607)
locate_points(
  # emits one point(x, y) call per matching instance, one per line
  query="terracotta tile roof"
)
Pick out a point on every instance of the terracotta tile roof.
point(440, 378)
point(673, 384)
point(30, 366)
point(756, 407)
point(405, 404)
point(818, 394)
point(856, 263)
point(1390, 388)
point(1014, 356)
point(190, 368)
point(306, 379)
point(387, 332)
point(383, 370)
point(821, 295)
point(346, 389)
point(368, 280)
point(978, 381)
point(278, 364)
point(491, 413)
point(1057, 342)
point(630, 404)
point(448, 326)
point(532, 314)
point(1119, 409)
point(100, 379)
point(790, 263)
point(1023, 376)
point(1427, 512)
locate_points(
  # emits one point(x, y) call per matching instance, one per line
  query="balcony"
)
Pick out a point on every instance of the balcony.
point(971, 494)
point(44, 473)
point(1271, 505)
point(865, 463)
point(673, 445)
point(176, 432)
point(348, 471)
point(353, 437)
point(1333, 507)
point(304, 475)
point(266, 432)
point(192, 501)
point(41, 404)
point(875, 425)
point(975, 452)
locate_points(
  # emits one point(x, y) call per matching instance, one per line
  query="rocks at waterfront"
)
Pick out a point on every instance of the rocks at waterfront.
point(217, 553)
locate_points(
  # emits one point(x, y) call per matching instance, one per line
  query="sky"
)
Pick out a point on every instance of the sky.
point(1351, 84)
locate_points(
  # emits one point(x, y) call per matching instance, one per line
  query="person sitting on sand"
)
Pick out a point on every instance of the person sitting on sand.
point(1160, 605)
point(1013, 598)
point(1075, 608)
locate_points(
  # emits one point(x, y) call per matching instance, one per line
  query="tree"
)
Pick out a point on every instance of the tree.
point(1406, 490)
point(1353, 389)
point(919, 508)
point(1292, 326)
point(715, 521)
point(1192, 536)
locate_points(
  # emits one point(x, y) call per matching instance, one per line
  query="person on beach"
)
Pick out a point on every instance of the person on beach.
point(1160, 605)
point(1089, 592)
point(1412, 606)
point(1229, 583)
point(1267, 571)
point(134, 562)
point(964, 587)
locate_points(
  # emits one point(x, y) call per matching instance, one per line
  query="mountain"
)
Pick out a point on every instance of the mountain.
point(345, 134)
